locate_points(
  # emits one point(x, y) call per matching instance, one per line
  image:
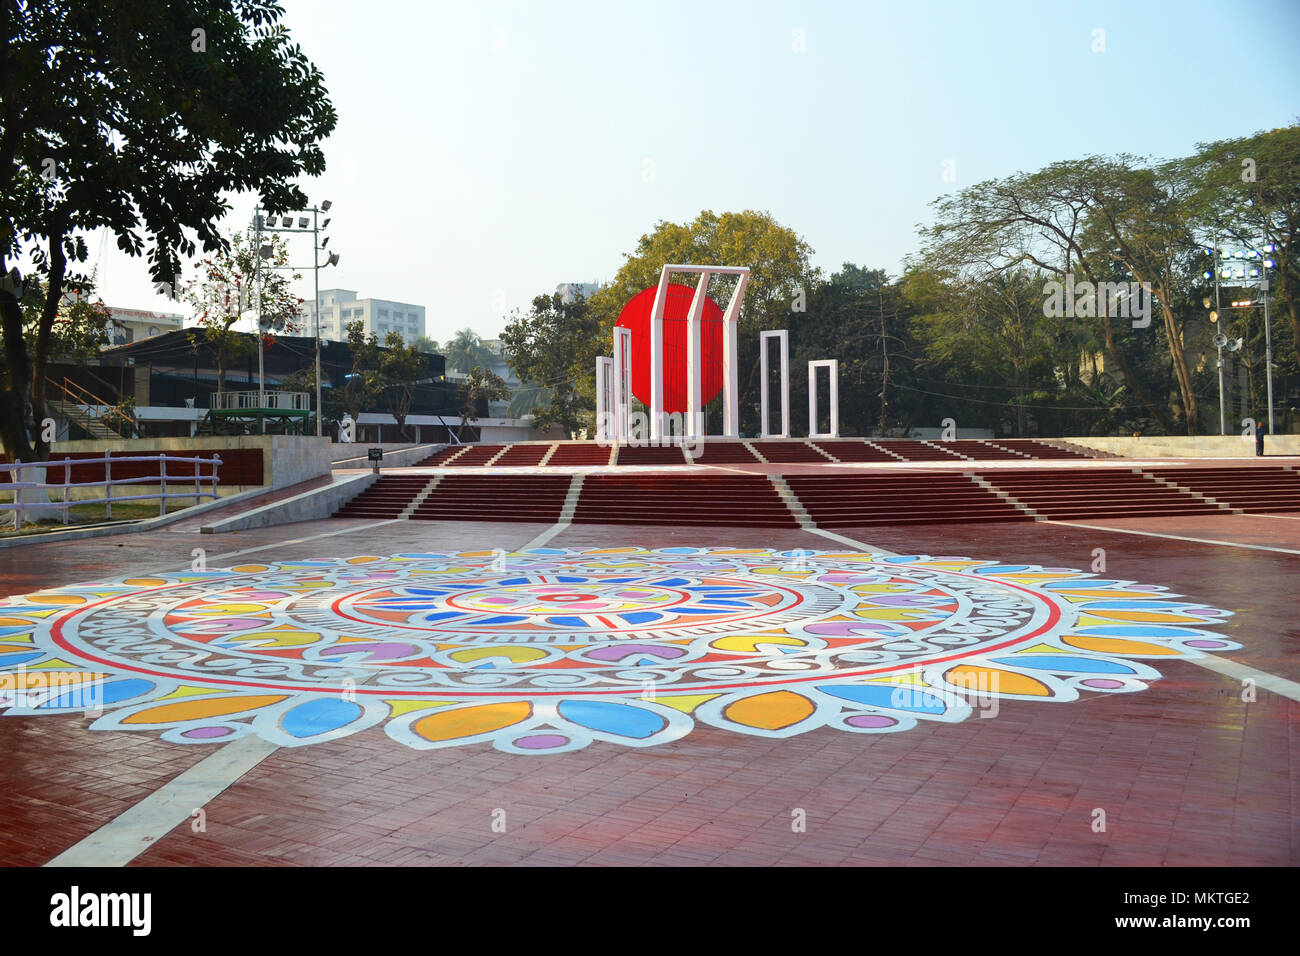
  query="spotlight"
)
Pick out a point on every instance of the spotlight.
point(302, 222)
point(287, 222)
point(325, 206)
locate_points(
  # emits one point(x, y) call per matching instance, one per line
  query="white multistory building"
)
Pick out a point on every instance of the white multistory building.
point(341, 307)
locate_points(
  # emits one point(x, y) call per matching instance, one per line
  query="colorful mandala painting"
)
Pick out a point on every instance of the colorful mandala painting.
point(548, 650)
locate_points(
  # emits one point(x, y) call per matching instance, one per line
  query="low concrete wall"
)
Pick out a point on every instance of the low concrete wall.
point(1190, 446)
point(317, 503)
point(395, 456)
point(286, 459)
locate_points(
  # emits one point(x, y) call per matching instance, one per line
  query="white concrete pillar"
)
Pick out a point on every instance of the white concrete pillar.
point(730, 360)
point(622, 374)
point(783, 337)
point(604, 398)
point(694, 424)
point(833, 368)
point(657, 356)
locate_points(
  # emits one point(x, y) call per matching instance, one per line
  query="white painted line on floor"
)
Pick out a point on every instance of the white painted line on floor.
point(121, 840)
point(1175, 537)
point(280, 544)
point(545, 536)
point(853, 542)
point(1230, 668)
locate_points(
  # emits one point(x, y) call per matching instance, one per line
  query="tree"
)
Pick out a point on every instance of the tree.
point(1055, 220)
point(365, 383)
point(80, 326)
point(553, 351)
point(401, 367)
point(426, 345)
point(1248, 194)
point(859, 317)
point(229, 286)
point(138, 116)
point(990, 333)
point(780, 282)
point(482, 386)
point(467, 350)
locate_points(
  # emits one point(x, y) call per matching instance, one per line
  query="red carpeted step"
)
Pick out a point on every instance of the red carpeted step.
point(1250, 488)
point(438, 457)
point(580, 453)
point(853, 450)
point(387, 497)
point(723, 452)
point(847, 500)
point(650, 455)
point(477, 455)
point(911, 449)
point(789, 450)
point(1040, 449)
point(733, 500)
point(524, 454)
point(1072, 494)
point(495, 497)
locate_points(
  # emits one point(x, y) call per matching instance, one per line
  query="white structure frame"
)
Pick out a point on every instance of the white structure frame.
point(604, 397)
point(833, 365)
point(694, 424)
point(782, 336)
point(622, 367)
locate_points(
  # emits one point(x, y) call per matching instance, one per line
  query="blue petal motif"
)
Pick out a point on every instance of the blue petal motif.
point(626, 720)
point(899, 697)
point(1050, 662)
point(314, 717)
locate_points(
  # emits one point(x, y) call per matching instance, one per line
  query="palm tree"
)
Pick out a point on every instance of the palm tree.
point(466, 350)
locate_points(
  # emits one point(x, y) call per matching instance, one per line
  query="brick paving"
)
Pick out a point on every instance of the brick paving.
point(1185, 772)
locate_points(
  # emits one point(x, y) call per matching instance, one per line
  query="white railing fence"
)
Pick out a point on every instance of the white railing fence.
point(289, 401)
point(45, 469)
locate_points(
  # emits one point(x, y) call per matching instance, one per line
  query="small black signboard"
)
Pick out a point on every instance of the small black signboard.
point(375, 454)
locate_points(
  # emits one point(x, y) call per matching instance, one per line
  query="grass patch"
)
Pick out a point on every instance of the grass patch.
point(87, 513)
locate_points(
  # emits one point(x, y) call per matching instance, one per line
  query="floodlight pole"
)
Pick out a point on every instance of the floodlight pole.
point(257, 278)
point(315, 258)
point(1268, 351)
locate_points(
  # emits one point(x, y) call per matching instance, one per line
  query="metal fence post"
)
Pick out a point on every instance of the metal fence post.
point(18, 494)
point(108, 487)
point(216, 478)
point(197, 466)
point(162, 498)
point(67, 480)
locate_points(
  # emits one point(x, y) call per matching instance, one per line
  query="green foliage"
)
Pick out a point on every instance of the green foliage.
point(480, 387)
point(554, 347)
point(401, 366)
point(467, 350)
point(116, 114)
point(234, 281)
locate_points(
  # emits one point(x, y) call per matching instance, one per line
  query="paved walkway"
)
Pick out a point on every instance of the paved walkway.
point(1184, 772)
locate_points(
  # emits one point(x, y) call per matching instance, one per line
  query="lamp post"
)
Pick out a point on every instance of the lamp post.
point(331, 260)
point(1248, 268)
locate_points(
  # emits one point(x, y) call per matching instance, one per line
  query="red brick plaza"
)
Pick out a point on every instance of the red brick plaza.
point(680, 664)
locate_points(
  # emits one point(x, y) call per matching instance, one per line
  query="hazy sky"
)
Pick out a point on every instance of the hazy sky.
point(486, 151)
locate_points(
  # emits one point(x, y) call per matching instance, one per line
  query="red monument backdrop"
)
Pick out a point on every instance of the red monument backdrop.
point(636, 316)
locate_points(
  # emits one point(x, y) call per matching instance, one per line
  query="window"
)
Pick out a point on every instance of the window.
point(383, 313)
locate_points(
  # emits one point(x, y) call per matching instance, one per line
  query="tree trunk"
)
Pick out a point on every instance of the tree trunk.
point(53, 296)
point(1191, 411)
point(13, 410)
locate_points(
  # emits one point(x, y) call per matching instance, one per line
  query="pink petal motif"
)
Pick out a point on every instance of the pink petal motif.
point(848, 628)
